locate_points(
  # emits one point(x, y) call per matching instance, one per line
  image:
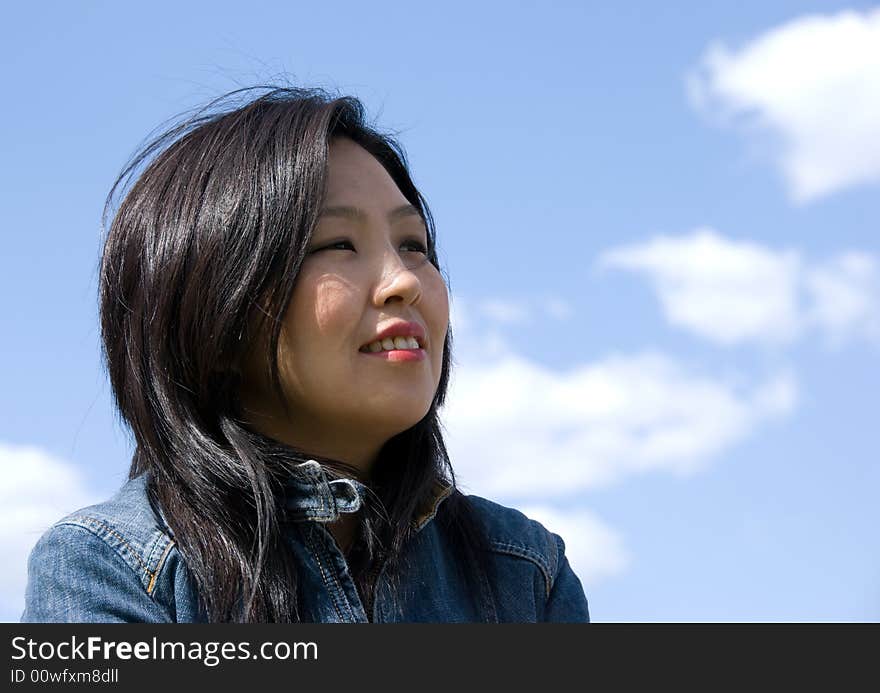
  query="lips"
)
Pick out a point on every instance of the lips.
point(398, 329)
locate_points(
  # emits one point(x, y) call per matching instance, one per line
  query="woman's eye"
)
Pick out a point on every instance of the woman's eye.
point(336, 245)
point(416, 246)
point(412, 245)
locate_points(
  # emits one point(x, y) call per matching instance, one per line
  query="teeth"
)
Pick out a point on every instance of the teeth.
point(389, 344)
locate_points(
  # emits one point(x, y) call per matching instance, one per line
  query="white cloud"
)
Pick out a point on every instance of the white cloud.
point(502, 312)
point(733, 292)
point(722, 290)
point(530, 436)
point(36, 490)
point(519, 430)
point(506, 312)
point(559, 309)
point(845, 297)
point(595, 551)
point(814, 84)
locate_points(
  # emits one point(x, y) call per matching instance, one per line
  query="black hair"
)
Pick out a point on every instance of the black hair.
point(202, 255)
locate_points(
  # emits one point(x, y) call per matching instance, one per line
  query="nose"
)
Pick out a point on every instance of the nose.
point(398, 282)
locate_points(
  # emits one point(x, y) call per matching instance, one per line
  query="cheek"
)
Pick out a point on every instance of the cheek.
point(436, 304)
point(436, 313)
point(321, 309)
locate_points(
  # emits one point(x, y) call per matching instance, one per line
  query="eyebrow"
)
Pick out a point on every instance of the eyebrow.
point(357, 214)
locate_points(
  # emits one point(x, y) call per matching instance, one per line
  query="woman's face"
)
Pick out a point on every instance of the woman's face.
point(366, 277)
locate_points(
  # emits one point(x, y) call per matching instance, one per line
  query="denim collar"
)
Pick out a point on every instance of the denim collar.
point(311, 495)
point(440, 493)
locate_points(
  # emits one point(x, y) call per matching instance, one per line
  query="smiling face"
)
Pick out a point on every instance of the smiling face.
point(366, 275)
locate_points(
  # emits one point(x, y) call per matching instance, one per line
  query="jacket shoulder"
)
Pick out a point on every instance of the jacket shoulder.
point(127, 524)
point(511, 533)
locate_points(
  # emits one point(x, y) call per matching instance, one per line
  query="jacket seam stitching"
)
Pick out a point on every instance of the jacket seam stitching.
point(317, 551)
point(153, 545)
point(159, 566)
point(91, 525)
point(159, 544)
point(334, 575)
point(529, 554)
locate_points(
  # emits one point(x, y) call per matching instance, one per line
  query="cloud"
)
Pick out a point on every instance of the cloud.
point(732, 292)
point(518, 430)
point(36, 490)
point(813, 84)
point(495, 311)
point(507, 312)
point(595, 551)
point(559, 309)
point(536, 438)
point(845, 297)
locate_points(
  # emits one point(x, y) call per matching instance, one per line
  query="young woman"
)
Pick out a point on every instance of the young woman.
point(275, 327)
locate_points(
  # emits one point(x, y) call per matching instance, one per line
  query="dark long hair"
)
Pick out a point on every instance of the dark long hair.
point(201, 256)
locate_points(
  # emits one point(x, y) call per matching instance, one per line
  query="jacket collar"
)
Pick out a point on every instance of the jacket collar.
point(440, 492)
point(311, 495)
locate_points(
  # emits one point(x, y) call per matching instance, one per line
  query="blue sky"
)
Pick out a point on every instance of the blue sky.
point(659, 222)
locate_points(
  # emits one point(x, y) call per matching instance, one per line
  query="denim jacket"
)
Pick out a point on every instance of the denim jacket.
point(118, 562)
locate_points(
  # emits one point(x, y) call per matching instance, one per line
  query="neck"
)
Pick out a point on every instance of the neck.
point(357, 451)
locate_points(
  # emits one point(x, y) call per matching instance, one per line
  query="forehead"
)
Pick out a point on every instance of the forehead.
point(354, 175)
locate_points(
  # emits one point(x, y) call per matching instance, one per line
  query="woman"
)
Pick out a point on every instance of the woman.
point(275, 328)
